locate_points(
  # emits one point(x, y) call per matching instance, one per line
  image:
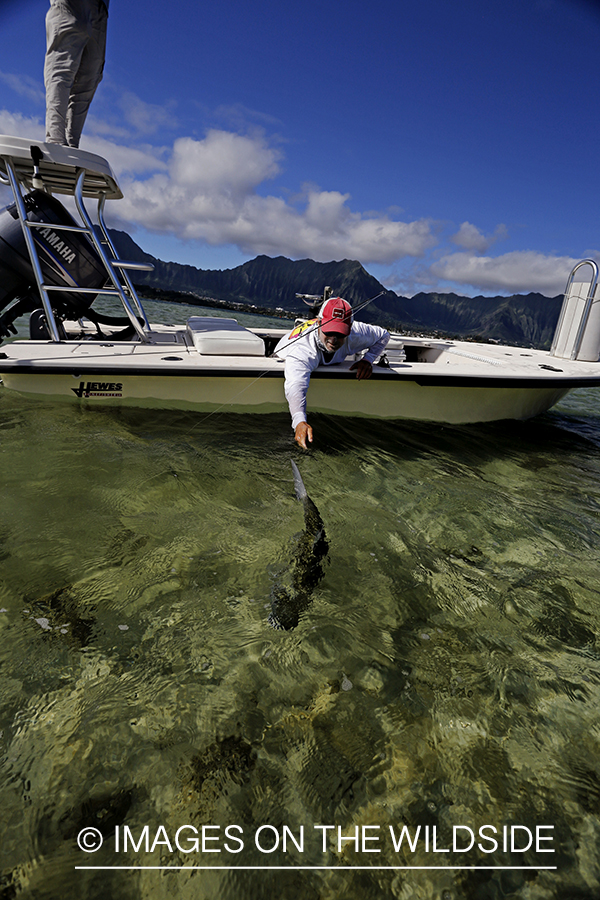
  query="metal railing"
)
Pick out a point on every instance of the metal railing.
point(585, 312)
point(124, 291)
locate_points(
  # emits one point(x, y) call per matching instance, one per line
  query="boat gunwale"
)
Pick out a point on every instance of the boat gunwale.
point(540, 380)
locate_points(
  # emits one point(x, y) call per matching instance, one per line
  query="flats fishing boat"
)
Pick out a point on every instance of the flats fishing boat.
point(53, 267)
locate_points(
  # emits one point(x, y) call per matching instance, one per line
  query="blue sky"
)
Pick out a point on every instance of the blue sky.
point(447, 146)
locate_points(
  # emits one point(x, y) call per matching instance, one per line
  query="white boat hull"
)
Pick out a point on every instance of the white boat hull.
point(451, 382)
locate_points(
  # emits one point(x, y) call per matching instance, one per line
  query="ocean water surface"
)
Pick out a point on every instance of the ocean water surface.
point(445, 676)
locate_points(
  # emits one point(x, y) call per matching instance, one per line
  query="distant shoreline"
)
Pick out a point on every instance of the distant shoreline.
point(189, 299)
point(184, 298)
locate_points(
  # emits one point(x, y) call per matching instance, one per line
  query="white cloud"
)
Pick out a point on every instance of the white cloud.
point(213, 191)
point(408, 278)
point(520, 271)
point(470, 238)
point(223, 164)
point(238, 116)
point(145, 118)
point(210, 192)
point(124, 160)
point(21, 126)
point(25, 86)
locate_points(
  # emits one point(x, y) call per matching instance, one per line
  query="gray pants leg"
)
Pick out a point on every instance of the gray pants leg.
point(76, 45)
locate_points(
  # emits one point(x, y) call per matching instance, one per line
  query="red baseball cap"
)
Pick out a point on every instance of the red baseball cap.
point(336, 317)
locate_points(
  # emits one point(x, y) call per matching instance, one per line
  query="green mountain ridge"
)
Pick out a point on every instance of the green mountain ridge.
point(523, 319)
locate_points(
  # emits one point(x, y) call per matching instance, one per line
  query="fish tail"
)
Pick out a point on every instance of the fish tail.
point(301, 492)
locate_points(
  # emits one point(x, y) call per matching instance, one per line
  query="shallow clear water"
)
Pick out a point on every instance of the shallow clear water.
point(446, 672)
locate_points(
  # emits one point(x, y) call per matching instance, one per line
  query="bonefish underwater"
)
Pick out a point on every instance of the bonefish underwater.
point(310, 551)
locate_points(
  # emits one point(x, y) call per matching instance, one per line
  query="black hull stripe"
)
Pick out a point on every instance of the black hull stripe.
point(422, 379)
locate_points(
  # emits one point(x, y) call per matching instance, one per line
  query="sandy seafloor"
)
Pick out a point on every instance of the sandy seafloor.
point(445, 676)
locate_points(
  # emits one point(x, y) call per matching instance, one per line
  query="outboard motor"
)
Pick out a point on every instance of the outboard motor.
point(66, 257)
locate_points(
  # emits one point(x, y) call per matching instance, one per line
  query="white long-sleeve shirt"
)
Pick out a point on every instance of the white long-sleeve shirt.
point(302, 354)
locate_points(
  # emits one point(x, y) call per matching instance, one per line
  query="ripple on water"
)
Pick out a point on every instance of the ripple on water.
point(446, 671)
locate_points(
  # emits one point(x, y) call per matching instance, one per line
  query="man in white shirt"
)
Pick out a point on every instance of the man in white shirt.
point(324, 342)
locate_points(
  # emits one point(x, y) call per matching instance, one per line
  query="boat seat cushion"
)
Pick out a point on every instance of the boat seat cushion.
point(223, 337)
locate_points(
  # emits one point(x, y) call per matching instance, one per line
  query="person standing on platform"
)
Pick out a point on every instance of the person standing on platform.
point(75, 50)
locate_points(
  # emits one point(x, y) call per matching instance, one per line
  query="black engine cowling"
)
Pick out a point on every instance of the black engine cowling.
point(67, 259)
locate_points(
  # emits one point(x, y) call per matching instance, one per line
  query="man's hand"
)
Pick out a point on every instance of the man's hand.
point(303, 434)
point(364, 369)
